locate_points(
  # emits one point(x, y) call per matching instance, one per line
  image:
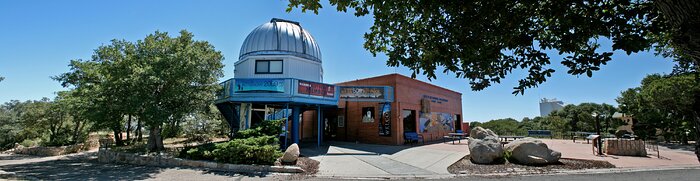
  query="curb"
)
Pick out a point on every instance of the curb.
point(106, 156)
point(524, 174)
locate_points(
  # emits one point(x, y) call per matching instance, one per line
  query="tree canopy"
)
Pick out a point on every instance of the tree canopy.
point(159, 79)
point(485, 40)
point(662, 102)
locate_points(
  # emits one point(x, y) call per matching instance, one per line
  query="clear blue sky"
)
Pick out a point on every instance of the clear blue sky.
point(39, 38)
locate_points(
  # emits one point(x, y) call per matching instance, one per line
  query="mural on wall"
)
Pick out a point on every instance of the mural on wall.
point(436, 122)
point(385, 120)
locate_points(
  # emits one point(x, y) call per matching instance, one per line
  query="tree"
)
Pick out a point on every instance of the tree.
point(662, 102)
point(159, 79)
point(507, 126)
point(2, 78)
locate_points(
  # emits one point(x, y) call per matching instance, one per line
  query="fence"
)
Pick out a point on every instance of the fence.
point(652, 146)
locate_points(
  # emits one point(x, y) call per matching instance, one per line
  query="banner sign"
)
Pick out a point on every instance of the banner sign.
point(385, 120)
point(259, 85)
point(316, 89)
point(362, 92)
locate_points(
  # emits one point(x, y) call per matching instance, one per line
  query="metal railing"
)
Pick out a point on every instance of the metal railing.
point(653, 146)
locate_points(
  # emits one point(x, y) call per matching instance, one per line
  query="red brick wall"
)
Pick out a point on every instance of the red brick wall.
point(407, 95)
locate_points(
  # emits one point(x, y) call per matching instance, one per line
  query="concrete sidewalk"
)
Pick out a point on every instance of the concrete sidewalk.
point(582, 150)
point(343, 159)
point(352, 160)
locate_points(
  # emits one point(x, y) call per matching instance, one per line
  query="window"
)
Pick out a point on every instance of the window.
point(268, 66)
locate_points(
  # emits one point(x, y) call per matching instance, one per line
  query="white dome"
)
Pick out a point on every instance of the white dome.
point(281, 37)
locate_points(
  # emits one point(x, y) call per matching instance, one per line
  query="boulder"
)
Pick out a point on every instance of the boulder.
point(481, 133)
point(291, 154)
point(530, 151)
point(485, 151)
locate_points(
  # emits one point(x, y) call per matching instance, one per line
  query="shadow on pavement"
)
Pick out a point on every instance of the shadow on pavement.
point(311, 150)
point(76, 169)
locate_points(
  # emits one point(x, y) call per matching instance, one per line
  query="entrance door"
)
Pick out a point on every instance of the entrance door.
point(409, 120)
point(458, 122)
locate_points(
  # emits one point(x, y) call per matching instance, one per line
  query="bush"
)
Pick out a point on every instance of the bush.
point(201, 152)
point(266, 128)
point(31, 142)
point(258, 145)
point(262, 150)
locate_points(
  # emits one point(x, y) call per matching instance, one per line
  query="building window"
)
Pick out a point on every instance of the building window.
point(268, 66)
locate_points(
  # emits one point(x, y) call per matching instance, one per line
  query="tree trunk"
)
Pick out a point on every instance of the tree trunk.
point(155, 141)
point(128, 130)
point(118, 137)
point(76, 132)
point(139, 134)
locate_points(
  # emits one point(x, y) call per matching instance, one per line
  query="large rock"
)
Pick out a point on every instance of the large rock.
point(530, 151)
point(485, 151)
point(291, 154)
point(481, 133)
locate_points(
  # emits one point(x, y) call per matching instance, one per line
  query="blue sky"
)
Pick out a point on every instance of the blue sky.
point(39, 38)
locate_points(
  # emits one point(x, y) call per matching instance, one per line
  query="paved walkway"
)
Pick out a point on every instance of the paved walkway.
point(582, 150)
point(343, 159)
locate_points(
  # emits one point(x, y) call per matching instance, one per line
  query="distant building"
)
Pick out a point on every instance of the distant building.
point(550, 105)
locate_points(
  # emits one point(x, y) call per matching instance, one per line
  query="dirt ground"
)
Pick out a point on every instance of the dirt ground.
point(465, 166)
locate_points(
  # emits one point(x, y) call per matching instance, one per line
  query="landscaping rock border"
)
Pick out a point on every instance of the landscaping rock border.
point(108, 156)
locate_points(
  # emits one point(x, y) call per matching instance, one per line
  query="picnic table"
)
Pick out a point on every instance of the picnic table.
point(455, 136)
point(507, 139)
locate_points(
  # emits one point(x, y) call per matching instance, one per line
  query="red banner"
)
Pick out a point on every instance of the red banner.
point(316, 89)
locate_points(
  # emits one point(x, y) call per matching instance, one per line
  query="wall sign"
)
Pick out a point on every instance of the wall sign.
point(316, 89)
point(438, 100)
point(361, 92)
point(259, 85)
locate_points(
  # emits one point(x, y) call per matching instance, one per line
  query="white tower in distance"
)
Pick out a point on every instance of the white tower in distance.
point(550, 105)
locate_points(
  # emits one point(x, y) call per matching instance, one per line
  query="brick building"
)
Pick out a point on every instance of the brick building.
point(416, 106)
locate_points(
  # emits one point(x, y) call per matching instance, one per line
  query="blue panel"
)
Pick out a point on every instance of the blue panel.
point(289, 95)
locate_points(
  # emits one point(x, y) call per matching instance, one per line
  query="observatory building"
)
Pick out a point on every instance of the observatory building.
point(279, 75)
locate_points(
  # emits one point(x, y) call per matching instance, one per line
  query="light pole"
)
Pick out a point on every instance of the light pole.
point(597, 130)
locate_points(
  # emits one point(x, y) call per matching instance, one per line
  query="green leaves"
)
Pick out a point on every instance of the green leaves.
point(484, 41)
point(158, 79)
point(662, 102)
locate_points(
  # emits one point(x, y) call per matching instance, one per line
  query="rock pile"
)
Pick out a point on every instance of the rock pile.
point(530, 151)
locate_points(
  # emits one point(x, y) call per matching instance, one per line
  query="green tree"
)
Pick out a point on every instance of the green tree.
point(159, 79)
point(662, 102)
point(507, 126)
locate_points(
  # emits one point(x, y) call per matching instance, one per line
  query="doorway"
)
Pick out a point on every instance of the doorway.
point(458, 122)
point(409, 120)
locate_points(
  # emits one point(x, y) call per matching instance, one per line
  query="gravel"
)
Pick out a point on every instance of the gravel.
point(465, 166)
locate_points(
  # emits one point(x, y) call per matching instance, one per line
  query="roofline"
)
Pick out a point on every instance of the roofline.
point(399, 75)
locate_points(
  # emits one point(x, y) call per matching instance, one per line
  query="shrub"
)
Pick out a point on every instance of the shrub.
point(255, 150)
point(266, 128)
point(30, 142)
point(262, 150)
point(201, 152)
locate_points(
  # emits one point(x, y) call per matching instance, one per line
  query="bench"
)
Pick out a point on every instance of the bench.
point(412, 137)
point(531, 133)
